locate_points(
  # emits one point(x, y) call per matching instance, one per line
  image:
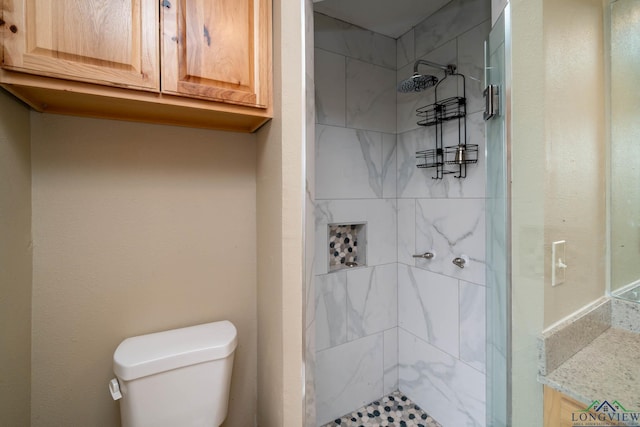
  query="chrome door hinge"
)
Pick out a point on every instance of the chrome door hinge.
point(491, 101)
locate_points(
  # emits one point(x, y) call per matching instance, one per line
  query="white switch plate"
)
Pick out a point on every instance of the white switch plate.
point(559, 262)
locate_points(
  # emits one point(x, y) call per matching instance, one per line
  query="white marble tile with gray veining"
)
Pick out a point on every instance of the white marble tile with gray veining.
point(310, 316)
point(310, 285)
point(447, 389)
point(310, 369)
point(331, 310)
point(371, 96)
point(309, 381)
point(497, 7)
point(405, 48)
point(348, 376)
point(453, 228)
point(497, 376)
point(372, 300)
point(355, 42)
point(322, 216)
point(452, 20)
point(310, 164)
point(331, 89)
point(310, 355)
point(389, 165)
point(390, 360)
point(496, 41)
point(471, 64)
point(348, 163)
point(407, 232)
point(413, 182)
point(497, 325)
point(310, 313)
point(428, 307)
point(380, 217)
point(472, 325)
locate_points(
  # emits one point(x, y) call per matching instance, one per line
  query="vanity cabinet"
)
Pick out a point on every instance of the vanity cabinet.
point(204, 63)
point(562, 411)
point(559, 408)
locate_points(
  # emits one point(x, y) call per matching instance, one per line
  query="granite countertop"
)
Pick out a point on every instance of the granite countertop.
point(606, 369)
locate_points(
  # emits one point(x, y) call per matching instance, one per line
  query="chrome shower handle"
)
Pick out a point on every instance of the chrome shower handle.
point(460, 261)
point(426, 255)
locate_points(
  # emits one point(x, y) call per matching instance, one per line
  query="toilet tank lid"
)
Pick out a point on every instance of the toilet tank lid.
point(150, 354)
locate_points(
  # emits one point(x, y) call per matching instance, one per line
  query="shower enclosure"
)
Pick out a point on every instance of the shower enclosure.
point(433, 327)
point(498, 225)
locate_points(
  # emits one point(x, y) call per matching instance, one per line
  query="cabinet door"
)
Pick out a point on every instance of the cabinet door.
point(562, 411)
point(558, 409)
point(218, 50)
point(98, 41)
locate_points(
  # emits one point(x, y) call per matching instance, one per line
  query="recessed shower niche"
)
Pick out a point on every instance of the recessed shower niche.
point(347, 245)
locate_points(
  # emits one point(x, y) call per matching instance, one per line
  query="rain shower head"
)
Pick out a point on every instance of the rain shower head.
point(419, 82)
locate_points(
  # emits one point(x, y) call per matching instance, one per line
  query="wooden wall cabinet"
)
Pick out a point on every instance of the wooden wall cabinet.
point(103, 42)
point(209, 50)
point(204, 63)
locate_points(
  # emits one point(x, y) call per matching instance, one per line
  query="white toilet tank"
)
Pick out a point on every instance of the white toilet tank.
point(174, 378)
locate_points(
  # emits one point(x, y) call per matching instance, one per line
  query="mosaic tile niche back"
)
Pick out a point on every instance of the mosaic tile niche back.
point(347, 246)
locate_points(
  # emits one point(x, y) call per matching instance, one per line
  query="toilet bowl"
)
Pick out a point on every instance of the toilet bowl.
point(174, 378)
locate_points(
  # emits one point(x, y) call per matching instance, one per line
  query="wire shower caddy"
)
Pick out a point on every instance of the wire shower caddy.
point(446, 112)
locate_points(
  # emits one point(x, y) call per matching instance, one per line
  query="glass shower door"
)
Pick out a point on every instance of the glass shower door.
point(497, 228)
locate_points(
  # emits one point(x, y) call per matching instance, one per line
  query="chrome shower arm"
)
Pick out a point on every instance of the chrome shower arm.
point(448, 69)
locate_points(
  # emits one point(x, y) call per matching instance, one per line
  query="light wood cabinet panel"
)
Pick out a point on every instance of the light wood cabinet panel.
point(49, 95)
point(101, 58)
point(217, 49)
point(101, 41)
point(559, 410)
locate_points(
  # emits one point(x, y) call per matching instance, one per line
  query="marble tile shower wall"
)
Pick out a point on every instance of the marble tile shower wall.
point(398, 323)
point(356, 313)
point(309, 223)
point(441, 307)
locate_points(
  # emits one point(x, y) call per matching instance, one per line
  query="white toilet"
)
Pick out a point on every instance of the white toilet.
point(174, 378)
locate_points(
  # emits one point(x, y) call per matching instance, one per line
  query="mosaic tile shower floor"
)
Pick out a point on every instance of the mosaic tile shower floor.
point(394, 410)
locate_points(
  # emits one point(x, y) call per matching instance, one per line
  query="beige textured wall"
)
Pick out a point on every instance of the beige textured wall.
point(557, 139)
point(280, 229)
point(574, 178)
point(137, 228)
point(270, 248)
point(15, 262)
